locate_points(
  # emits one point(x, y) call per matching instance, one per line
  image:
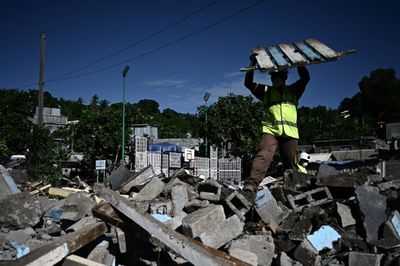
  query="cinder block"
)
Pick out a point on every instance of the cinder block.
point(179, 198)
point(19, 211)
point(306, 254)
point(364, 259)
point(373, 207)
point(267, 207)
point(238, 204)
point(285, 260)
point(310, 198)
point(150, 191)
point(161, 207)
point(210, 190)
point(222, 233)
point(245, 256)
point(76, 206)
point(262, 245)
point(344, 212)
point(201, 220)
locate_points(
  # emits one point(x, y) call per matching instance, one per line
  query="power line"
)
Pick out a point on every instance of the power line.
point(151, 35)
point(162, 46)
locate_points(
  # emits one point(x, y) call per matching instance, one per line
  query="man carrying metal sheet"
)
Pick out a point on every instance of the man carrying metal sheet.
point(279, 125)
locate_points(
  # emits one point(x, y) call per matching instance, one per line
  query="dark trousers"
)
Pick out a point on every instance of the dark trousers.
point(268, 146)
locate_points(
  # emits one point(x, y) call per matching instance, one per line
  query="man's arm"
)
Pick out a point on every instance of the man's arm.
point(300, 85)
point(256, 89)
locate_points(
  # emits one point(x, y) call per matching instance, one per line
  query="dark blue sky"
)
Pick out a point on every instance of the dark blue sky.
point(80, 32)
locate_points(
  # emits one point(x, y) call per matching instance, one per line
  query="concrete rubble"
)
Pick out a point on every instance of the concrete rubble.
point(330, 218)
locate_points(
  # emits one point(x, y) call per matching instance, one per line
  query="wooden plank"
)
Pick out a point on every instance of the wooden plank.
point(74, 260)
point(307, 51)
point(278, 57)
point(39, 190)
point(192, 250)
point(263, 59)
point(57, 250)
point(55, 191)
point(327, 52)
point(295, 57)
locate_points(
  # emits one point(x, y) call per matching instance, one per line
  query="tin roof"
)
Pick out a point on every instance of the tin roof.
point(283, 56)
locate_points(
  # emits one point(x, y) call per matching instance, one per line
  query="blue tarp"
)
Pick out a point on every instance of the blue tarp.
point(164, 147)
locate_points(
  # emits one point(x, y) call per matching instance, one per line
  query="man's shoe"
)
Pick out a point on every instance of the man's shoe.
point(250, 188)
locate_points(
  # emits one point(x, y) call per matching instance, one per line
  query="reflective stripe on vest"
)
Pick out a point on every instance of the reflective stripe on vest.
point(302, 169)
point(280, 113)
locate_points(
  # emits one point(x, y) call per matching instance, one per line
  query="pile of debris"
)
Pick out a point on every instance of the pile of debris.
point(332, 218)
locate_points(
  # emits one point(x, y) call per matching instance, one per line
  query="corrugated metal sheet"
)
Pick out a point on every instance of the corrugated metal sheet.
point(285, 55)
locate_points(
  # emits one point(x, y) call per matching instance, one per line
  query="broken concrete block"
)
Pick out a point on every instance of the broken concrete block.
point(138, 179)
point(285, 260)
point(344, 212)
point(100, 252)
point(301, 229)
point(238, 204)
point(222, 233)
point(76, 206)
point(121, 240)
point(19, 211)
point(286, 226)
point(201, 220)
point(245, 256)
point(7, 184)
point(323, 238)
point(161, 207)
point(267, 207)
point(82, 223)
point(296, 179)
point(262, 245)
point(391, 232)
point(306, 254)
point(194, 205)
point(393, 184)
point(310, 198)
point(325, 170)
point(74, 260)
point(19, 236)
point(372, 206)
point(176, 221)
point(118, 177)
point(210, 190)
point(364, 259)
point(343, 180)
point(179, 198)
point(151, 190)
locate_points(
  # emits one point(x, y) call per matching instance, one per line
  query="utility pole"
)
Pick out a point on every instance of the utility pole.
point(206, 97)
point(124, 73)
point(41, 78)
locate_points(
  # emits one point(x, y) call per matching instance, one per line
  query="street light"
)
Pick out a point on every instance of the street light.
point(124, 72)
point(206, 97)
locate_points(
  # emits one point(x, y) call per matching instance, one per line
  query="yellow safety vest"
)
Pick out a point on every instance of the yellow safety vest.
point(302, 169)
point(280, 112)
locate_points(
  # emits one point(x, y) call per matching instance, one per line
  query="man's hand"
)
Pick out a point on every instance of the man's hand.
point(253, 60)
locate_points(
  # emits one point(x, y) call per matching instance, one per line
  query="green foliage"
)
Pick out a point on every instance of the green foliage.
point(320, 123)
point(378, 98)
point(233, 119)
point(41, 156)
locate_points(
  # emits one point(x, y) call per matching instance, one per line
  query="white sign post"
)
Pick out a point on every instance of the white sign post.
point(100, 166)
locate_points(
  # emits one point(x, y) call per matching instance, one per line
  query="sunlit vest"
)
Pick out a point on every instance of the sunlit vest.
point(302, 169)
point(280, 112)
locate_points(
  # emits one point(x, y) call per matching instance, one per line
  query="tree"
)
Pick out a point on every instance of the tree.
point(378, 98)
point(41, 155)
point(236, 120)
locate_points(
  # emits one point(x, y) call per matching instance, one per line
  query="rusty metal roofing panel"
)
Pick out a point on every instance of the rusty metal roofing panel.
point(283, 56)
